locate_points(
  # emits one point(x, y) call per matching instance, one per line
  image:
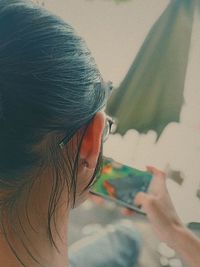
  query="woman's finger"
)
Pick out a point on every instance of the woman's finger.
point(155, 171)
point(96, 199)
point(127, 212)
point(140, 198)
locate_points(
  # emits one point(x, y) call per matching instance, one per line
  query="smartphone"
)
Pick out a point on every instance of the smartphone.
point(120, 183)
point(195, 228)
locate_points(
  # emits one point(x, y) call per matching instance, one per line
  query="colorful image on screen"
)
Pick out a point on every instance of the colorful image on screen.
point(120, 182)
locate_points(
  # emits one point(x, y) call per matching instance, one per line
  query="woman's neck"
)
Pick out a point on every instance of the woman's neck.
point(29, 234)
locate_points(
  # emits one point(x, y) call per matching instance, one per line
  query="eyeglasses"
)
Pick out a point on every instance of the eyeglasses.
point(110, 128)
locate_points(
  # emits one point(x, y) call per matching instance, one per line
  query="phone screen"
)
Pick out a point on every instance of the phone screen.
point(120, 183)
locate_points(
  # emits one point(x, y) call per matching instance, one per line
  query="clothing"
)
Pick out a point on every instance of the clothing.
point(117, 245)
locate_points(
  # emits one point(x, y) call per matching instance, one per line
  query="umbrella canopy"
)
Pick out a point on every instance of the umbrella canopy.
point(151, 94)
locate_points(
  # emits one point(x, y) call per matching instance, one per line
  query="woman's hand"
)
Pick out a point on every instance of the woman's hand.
point(159, 208)
point(165, 221)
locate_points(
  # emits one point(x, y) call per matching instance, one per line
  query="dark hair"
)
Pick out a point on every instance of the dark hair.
point(49, 85)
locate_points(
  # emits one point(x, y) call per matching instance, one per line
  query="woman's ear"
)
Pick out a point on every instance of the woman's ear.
point(91, 144)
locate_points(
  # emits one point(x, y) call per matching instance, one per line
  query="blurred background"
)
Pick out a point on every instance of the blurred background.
point(149, 49)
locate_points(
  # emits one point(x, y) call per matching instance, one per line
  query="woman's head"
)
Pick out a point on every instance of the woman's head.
point(49, 87)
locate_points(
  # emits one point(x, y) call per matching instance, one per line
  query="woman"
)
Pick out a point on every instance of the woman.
point(52, 128)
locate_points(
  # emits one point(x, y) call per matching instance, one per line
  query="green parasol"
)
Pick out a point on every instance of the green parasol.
point(151, 94)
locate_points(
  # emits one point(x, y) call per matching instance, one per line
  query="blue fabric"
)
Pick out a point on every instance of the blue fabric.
point(115, 246)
